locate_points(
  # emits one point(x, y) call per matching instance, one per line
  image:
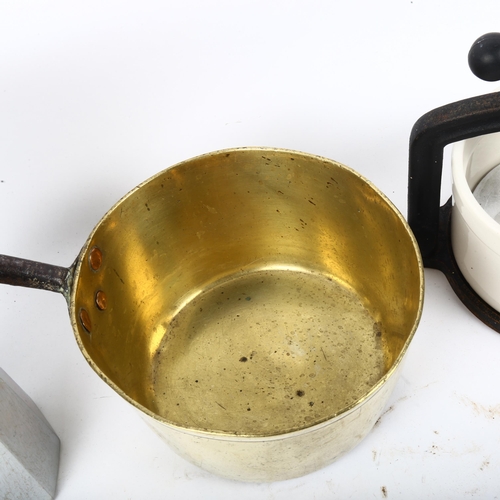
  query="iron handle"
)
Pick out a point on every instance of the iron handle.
point(461, 120)
point(430, 134)
point(442, 126)
point(31, 274)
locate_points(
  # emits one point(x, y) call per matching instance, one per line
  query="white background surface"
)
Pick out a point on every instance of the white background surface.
point(97, 96)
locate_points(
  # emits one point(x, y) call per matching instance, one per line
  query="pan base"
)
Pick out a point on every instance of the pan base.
point(265, 353)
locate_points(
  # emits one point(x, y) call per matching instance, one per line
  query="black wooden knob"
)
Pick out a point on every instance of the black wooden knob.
point(484, 57)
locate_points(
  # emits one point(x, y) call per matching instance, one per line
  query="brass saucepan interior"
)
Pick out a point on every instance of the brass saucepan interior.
point(248, 292)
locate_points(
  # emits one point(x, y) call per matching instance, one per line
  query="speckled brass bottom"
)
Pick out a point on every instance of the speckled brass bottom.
point(267, 352)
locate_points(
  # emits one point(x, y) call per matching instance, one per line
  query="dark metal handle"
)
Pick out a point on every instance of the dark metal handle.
point(430, 134)
point(454, 122)
point(27, 273)
point(440, 127)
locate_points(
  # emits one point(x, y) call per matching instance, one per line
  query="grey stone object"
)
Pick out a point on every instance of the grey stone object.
point(29, 448)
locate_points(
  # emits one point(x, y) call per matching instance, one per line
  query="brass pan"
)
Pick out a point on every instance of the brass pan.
point(254, 304)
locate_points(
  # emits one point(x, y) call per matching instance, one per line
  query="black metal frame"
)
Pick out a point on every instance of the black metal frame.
point(454, 122)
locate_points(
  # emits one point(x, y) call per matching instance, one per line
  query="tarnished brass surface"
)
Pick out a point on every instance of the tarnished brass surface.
point(266, 352)
point(249, 292)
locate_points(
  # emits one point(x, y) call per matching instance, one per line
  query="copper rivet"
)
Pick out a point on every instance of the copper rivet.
point(100, 300)
point(95, 258)
point(85, 320)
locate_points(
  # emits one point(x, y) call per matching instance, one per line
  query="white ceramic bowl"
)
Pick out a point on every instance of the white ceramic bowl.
point(475, 235)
